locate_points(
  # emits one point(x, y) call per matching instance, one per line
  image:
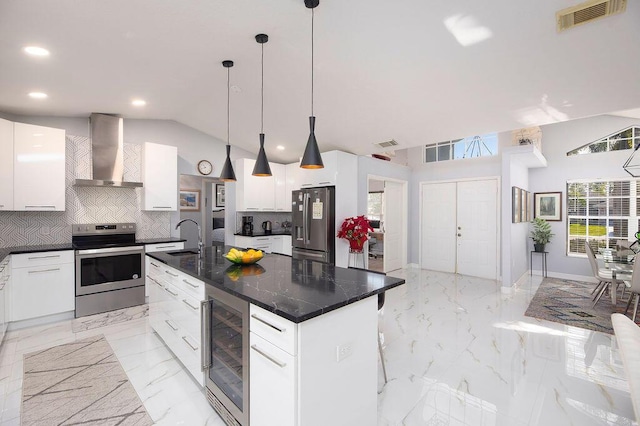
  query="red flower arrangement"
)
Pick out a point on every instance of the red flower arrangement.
point(356, 230)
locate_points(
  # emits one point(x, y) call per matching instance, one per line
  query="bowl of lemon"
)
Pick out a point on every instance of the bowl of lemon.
point(247, 257)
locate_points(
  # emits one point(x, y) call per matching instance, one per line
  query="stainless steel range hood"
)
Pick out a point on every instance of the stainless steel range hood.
point(107, 147)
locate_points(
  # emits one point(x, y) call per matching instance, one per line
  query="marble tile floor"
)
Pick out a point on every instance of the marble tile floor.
point(457, 350)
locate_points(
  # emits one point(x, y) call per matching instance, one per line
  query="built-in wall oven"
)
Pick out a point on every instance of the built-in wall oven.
point(109, 267)
point(225, 354)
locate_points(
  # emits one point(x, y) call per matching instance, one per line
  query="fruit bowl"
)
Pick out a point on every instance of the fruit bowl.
point(243, 257)
point(235, 272)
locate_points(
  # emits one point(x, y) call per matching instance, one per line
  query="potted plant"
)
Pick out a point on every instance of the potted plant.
point(356, 231)
point(541, 233)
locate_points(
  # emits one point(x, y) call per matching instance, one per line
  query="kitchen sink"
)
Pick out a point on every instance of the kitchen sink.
point(182, 252)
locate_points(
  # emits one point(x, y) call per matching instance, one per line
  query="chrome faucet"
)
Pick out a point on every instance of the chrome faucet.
point(200, 245)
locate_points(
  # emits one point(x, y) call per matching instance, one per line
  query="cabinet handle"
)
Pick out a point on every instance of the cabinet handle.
point(52, 256)
point(262, 239)
point(160, 247)
point(191, 284)
point(173, 275)
point(153, 264)
point(1, 205)
point(44, 270)
point(281, 330)
point(269, 357)
point(195, 308)
point(252, 208)
point(170, 292)
point(324, 183)
point(39, 207)
point(171, 325)
point(306, 184)
point(205, 332)
point(161, 207)
point(155, 281)
point(186, 339)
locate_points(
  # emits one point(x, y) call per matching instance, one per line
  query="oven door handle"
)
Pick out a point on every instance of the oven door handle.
point(134, 249)
point(205, 331)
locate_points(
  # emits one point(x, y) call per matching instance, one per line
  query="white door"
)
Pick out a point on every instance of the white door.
point(393, 226)
point(477, 228)
point(438, 224)
point(460, 227)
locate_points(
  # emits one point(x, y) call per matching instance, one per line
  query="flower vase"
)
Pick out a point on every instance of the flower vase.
point(355, 246)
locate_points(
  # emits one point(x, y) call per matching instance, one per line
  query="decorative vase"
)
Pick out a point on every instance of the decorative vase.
point(355, 246)
point(538, 247)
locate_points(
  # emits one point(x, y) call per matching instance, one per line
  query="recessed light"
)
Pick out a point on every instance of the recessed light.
point(36, 51)
point(138, 102)
point(38, 95)
point(280, 148)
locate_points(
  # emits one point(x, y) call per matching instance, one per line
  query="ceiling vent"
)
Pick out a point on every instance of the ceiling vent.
point(587, 12)
point(386, 144)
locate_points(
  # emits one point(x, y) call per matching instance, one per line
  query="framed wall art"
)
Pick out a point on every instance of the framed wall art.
point(548, 205)
point(220, 195)
point(515, 204)
point(190, 199)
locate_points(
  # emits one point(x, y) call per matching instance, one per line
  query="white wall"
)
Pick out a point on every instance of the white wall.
point(557, 140)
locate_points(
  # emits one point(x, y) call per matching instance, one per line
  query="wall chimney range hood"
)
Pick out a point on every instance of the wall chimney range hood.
point(107, 146)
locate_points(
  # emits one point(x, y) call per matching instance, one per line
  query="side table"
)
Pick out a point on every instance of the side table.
point(544, 262)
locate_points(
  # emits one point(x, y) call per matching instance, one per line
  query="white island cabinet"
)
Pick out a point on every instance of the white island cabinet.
point(38, 168)
point(322, 371)
point(160, 177)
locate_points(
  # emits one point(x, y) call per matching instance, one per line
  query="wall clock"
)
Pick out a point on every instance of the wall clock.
point(205, 167)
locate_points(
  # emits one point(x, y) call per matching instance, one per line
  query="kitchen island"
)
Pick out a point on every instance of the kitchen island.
point(311, 328)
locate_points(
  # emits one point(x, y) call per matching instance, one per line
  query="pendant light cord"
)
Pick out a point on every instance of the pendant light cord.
point(262, 92)
point(228, 105)
point(312, 14)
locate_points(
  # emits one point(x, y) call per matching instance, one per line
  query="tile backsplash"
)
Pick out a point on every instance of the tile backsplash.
point(86, 204)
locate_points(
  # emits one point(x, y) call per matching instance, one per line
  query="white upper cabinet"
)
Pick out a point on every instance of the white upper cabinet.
point(326, 176)
point(6, 165)
point(159, 177)
point(253, 193)
point(283, 198)
point(38, 168)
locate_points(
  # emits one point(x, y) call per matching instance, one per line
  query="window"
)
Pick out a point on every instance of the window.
point(625, 139)
point(603, 212)
point(475, 146)
point(374, 207)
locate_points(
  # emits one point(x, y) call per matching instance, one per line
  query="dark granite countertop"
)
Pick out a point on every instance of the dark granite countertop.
point(262, 234)
point(297, 290)
point(160, 240)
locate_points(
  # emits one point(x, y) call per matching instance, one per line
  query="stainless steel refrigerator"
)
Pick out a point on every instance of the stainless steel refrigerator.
point(313, 229)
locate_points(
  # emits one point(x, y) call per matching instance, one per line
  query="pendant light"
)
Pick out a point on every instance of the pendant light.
point(227, 174)
point(312, 158)
point(261, 168)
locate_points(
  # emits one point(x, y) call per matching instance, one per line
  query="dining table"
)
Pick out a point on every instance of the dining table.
point(620, 263)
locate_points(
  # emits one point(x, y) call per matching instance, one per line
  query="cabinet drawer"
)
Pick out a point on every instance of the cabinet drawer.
point(191, 286)
point(154, 267)
point(42, 258)
point(273, 328)
point(150, 248)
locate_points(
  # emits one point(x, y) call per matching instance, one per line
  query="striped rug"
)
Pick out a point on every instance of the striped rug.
point(79, 383)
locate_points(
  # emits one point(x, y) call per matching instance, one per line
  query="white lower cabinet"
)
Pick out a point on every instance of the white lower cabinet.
point(273, 377)
point(152, 266)
point(42, 284)
point(174, 313)
point(267, 243)
point(5, 284)
point(322, 371)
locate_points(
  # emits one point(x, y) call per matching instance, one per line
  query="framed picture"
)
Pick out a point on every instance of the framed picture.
point(529, 206)
point(523, 205)
point(548, 205)
point(515, 204)
point(219, 194)
point(190, 199)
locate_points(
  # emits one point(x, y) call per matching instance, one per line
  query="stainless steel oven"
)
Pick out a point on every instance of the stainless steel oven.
point(109, 268)
point(225, 354)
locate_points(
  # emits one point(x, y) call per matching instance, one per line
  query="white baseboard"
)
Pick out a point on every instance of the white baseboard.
point(47, 319)
point(584, 278)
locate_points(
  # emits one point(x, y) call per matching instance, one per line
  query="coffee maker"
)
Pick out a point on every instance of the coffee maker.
point(247, 225)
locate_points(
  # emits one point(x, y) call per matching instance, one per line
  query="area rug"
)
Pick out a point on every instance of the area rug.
point(569, 302)
point(79, 383)
point(109, 318)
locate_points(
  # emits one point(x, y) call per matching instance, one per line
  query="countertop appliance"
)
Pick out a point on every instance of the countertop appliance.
point(225, 354)
point(313, 217)
point(266, 227)
point(247, 225)
point(109, 267)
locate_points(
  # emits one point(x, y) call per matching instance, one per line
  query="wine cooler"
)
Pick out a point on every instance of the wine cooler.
point(225, 355)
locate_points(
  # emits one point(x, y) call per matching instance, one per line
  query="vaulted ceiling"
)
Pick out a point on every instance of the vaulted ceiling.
point(413, 70)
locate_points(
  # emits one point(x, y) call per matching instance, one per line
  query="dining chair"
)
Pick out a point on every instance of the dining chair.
point(634, 288)
point(381, 298)
point(603, 275)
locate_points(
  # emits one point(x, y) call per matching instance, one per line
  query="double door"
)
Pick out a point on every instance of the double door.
point(459, 227)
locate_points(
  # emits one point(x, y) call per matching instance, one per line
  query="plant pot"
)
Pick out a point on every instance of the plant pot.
point(538, 247)
point(355, 246)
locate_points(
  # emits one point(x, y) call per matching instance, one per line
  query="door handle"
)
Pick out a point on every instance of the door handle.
point(269, 357)
point(459, 235)
point(205, 331)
